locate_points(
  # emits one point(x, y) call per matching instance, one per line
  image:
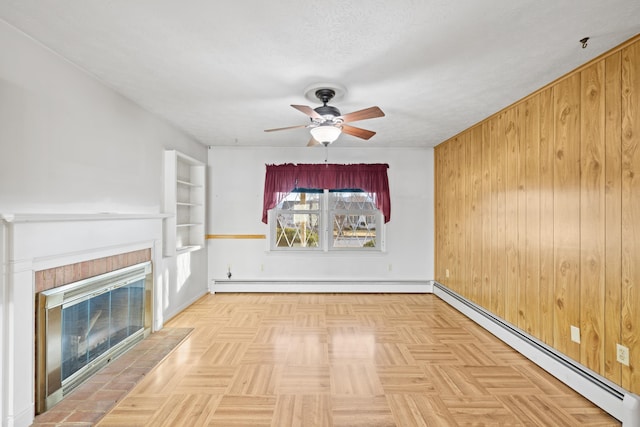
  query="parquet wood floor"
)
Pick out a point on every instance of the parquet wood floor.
point(344, 360)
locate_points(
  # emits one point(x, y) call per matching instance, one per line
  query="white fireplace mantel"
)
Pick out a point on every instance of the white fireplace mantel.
point(30, 242)
point(55, 217)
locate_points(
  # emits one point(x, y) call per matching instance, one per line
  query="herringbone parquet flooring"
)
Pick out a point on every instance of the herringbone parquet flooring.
point(344, 360)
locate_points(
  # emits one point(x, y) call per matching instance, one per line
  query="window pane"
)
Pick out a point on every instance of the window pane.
point(301, 201)
point(354, 231)
point(298, 221)
point(299, 230)
point(354, 218)
point(352, 201)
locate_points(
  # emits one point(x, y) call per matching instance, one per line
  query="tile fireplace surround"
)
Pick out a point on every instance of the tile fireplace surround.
point(43, 251)
point(63, 275)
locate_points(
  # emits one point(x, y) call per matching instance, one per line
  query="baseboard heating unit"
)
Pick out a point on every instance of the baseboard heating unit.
point(616, 401)
point(320, 286)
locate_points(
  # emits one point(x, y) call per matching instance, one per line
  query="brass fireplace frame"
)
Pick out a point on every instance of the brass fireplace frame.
point(50, 388)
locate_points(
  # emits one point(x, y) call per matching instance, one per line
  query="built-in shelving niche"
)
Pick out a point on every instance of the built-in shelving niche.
point(184, 202)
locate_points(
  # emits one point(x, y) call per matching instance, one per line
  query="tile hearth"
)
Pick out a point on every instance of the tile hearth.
point(93, 399)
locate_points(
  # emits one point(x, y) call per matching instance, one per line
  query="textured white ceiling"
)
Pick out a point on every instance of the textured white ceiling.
point(225, 70)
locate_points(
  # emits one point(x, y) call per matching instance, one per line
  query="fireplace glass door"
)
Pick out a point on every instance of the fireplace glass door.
point(84, 325)
point(93, 326)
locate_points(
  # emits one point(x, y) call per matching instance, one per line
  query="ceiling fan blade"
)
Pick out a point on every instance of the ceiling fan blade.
point(288, 127)
point(308, 111)
point(367, 113)
point(357, 132)
point(312, 142)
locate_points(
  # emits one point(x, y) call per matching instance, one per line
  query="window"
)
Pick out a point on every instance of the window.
point(354, 218)
point(297, 222)
point(326, 220)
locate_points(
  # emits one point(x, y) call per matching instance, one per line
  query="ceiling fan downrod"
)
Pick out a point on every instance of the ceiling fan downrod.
point(325, 95)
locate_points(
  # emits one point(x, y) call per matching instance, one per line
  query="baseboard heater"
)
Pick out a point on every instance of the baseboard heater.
point(321, 286)
point(616, 401)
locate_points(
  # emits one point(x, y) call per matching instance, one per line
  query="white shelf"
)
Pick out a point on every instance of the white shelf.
point(185, 249)
point(184, 202)
point(191, 184)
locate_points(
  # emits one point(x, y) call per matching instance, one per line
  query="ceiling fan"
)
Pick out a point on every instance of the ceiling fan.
point(327, 123)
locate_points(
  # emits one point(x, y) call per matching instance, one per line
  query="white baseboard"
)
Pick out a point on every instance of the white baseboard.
point(321, 286)
point(24, 418)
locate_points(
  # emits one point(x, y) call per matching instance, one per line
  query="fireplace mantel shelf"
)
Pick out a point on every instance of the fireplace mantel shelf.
point(62, 217)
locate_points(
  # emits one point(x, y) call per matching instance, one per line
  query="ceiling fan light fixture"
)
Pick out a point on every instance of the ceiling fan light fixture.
point(325, 133)
point(327, 123)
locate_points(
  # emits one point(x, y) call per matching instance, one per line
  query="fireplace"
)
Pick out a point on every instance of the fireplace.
point(84, 325)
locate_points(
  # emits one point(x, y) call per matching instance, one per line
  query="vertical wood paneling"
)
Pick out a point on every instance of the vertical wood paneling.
point(461, 216)
point(485, 298)
point(592, 217)
point(566, 209)
point(498, 264)
point(613, 217)
point(467, 222)
point(437, 214)
point(454, 215)
point(474, 231)
point(539, 218)
point(547, 271)
point(529, 300)
point(441, 203)
point(458, 215)
point(447, 174)
point(631, 214)
point(522, 213)
point(510, 136)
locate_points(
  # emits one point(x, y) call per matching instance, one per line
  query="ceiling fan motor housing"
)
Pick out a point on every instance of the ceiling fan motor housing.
point(327, 110)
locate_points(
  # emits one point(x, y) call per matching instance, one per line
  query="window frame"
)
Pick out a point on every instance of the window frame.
point(326, 217)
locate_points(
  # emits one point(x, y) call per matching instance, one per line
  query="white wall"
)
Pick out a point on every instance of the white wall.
point(236, 184)
point(68, 144)
point(3, 321)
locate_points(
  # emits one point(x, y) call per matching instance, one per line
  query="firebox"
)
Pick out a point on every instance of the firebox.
point(82, 326)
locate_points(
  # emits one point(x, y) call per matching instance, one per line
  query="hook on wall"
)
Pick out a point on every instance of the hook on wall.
point(584, 42)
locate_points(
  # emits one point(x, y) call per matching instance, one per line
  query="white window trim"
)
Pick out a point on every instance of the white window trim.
point(325, 225)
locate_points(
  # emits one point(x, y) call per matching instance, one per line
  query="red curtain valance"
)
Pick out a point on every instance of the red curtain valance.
point(280, 180)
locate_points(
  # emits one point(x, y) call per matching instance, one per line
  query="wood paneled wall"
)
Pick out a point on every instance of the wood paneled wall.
point(538, 213)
